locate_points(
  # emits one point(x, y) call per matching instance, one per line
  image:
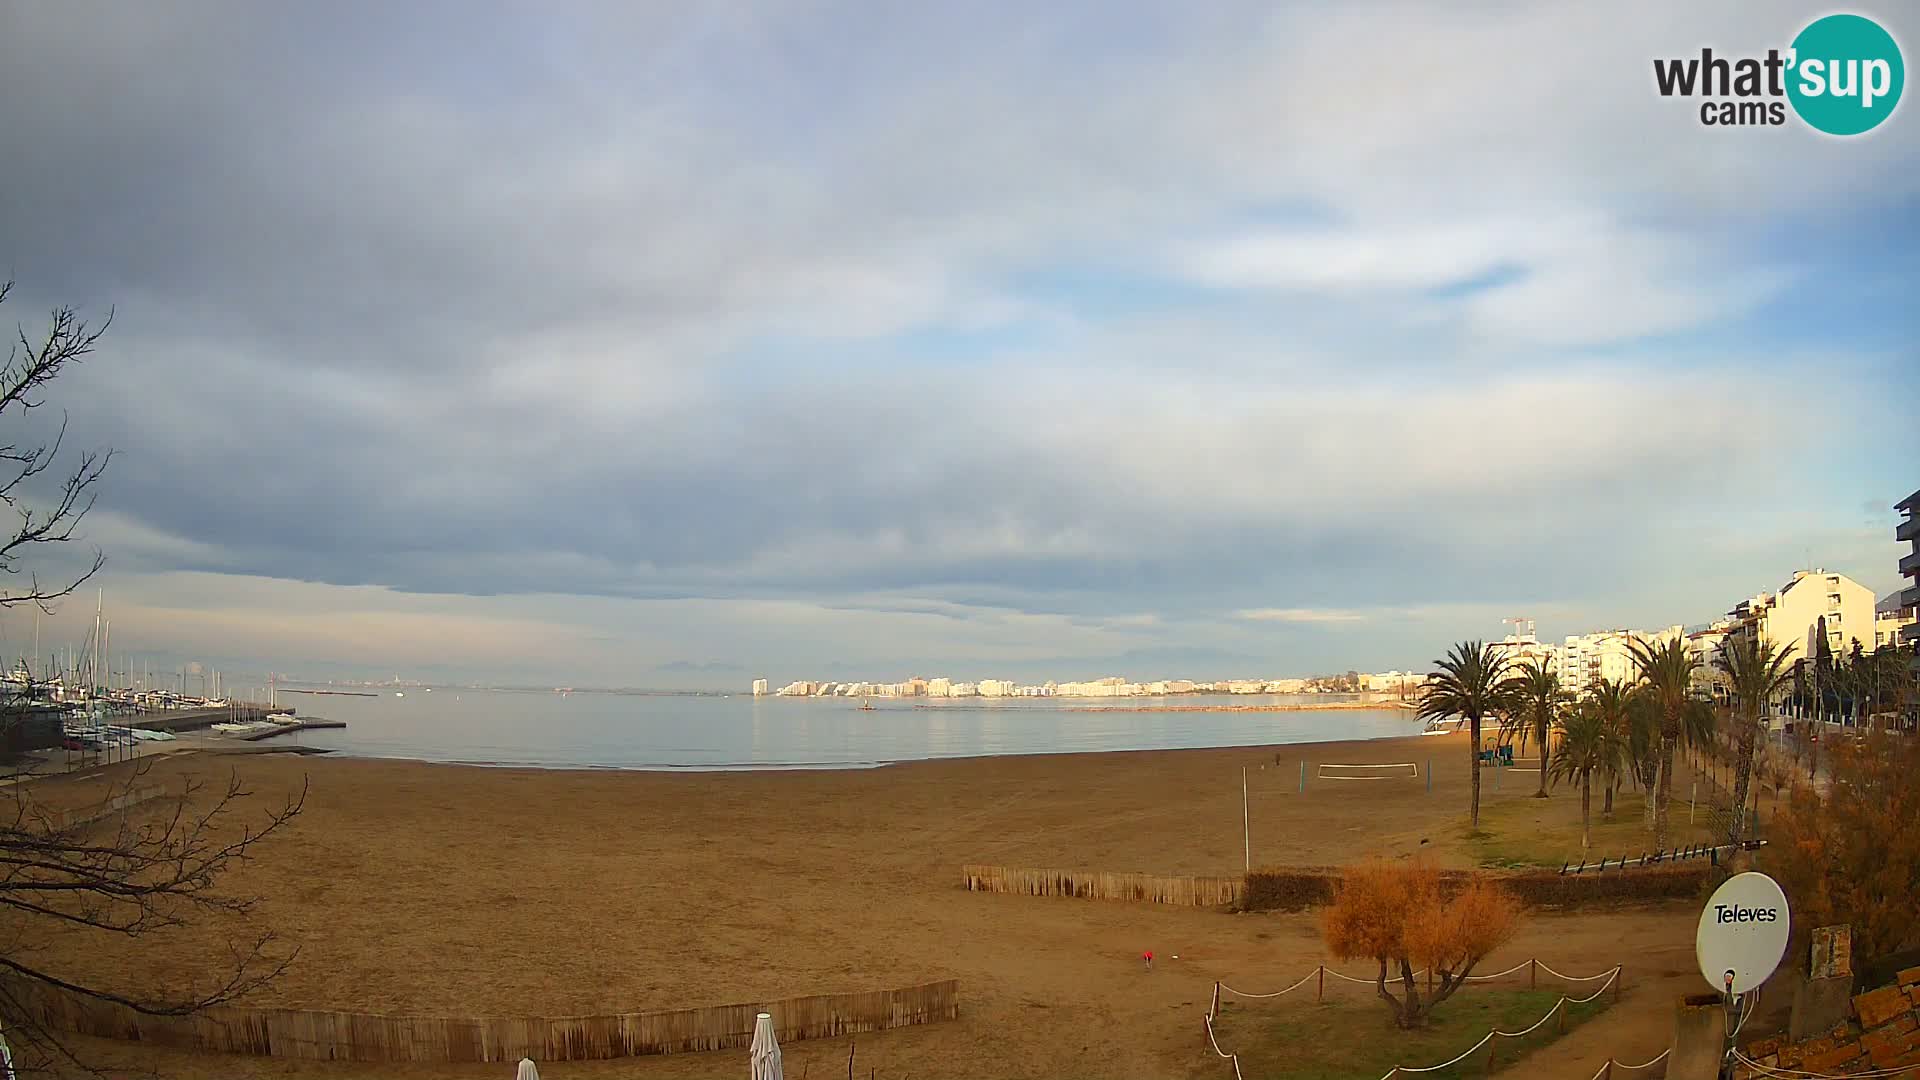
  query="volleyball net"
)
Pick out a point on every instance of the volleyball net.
point(1400, 770)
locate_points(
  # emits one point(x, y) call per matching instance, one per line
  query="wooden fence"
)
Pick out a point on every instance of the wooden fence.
point(335, 1036)
point(1098, 885)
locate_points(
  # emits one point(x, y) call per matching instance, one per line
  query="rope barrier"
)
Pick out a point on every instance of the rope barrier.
point(1557, 1010)
point(1504, 974)
point(1422, 971)
point(1575, 978)
point(1233, 1058)
point(1488, 1037)
point(1606, 1069)
point(1303, 981)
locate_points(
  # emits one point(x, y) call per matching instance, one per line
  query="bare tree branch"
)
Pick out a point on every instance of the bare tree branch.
point(32, 363)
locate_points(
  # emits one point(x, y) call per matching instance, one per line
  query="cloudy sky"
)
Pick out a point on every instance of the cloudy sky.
point(678, 344)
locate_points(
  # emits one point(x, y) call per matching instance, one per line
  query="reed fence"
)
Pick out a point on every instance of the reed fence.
point(341, 1036)
point(1100, 885)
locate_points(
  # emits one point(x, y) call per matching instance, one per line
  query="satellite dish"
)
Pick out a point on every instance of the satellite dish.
point(1743, 933)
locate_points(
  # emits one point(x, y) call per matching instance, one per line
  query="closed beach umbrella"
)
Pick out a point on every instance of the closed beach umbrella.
point(766, 1050)
point(526, 1071)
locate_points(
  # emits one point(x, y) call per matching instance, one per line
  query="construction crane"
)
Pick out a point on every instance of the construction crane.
point(1522, 627)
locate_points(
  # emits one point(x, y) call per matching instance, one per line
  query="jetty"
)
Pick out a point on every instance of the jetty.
point(179, 720)
point(330, 693)
point(303, 723)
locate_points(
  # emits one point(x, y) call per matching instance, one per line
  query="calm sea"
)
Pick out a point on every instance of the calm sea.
point(623, 731)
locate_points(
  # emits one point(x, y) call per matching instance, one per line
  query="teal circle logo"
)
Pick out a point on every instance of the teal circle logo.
point(1846, 74)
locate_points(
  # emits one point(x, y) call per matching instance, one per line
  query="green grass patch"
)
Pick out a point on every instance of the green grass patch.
point(1520, 833)
point(1354, 1038)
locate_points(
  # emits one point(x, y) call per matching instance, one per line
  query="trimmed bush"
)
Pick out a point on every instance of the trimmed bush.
point(1295, 888)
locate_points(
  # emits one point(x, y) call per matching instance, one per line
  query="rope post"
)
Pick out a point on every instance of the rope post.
point(1533, 974)
point(1492, 1044)
point(1562, 1010)
point(1606, 1071)
point(1303, 776)
point(1320, 992)
point(1619, 976)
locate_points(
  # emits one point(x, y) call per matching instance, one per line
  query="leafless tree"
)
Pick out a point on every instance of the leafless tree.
point(129, 866)
point(32, 362)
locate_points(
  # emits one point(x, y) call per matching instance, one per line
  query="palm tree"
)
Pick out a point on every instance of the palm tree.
point(1473, 683)
point(1668, 670)
point(1610, 700)
point(1538, 690)
point(1643, 743)
point(1756, 671)
point(1589, 745)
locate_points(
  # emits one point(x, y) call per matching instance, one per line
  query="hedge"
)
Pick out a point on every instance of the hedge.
point(1295, 888)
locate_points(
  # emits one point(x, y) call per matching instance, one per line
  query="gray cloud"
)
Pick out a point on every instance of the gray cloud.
point(1119, 314)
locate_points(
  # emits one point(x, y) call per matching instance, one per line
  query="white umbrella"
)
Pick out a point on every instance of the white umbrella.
point(526, 1071)
point(766, 1049)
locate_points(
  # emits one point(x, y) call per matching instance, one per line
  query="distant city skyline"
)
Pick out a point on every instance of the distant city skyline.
point(675, 347)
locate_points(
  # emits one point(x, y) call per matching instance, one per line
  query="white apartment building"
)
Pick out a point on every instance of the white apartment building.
point(1392, 682)
point(759, 688)
point(1588, 659)
point(941, 687)
point(996, 688)
point(1792, 616)
point(1522, 647)
point(1706, 646)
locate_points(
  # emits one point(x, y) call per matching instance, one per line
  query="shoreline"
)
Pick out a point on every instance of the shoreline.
point(868, 765)
point(1331, 706)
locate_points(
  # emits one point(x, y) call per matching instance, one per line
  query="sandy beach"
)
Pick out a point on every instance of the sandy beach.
point(450, 890)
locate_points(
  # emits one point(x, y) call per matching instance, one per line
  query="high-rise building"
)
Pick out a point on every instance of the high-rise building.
point(1792, 617)
point(1706, 646)
point(1909, 530)
point(759, 688)
point(1588, 659)
point(1891, 620)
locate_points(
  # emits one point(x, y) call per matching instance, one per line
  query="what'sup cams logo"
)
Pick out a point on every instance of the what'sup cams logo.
point(1842, 75)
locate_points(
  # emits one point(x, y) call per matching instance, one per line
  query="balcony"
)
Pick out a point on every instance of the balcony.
point(1908, 529)
point(1910, 565)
